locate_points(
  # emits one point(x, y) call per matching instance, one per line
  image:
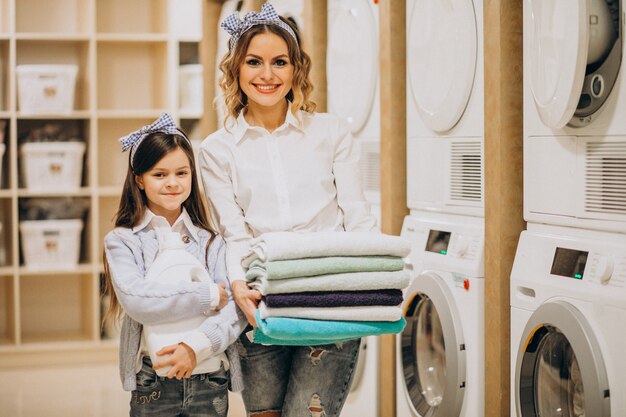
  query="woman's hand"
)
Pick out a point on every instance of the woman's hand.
point(223, 296)
point(182, 359)
point(247, 299)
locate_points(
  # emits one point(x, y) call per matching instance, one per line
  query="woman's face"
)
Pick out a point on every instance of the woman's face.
point(266, 74)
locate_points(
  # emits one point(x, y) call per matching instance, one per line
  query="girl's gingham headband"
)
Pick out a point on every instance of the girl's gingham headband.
point(236, 26)
point(165, 124)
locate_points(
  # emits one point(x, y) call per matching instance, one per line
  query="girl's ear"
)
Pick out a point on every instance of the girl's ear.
point(139, 182)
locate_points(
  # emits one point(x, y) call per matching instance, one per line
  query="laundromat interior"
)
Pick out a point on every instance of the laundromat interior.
point(493, 139)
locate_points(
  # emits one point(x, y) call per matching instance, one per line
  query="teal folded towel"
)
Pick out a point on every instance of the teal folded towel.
point(307, 267)
point(264, 339)
point(302, 331)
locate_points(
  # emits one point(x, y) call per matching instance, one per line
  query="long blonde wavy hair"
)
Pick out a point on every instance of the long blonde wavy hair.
point(301, 87)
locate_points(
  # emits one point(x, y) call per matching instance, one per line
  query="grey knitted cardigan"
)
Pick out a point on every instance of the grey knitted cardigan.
point(129, 255)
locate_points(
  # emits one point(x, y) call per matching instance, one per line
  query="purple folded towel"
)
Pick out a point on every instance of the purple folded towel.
point(388, 297)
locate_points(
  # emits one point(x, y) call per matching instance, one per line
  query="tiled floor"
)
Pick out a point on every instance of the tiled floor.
point(93, 391)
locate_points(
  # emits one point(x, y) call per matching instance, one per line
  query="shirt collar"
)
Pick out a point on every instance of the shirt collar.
point(182, 222)
point(241, 126)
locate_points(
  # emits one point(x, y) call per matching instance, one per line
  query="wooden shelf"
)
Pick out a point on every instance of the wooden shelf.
point(127, 61)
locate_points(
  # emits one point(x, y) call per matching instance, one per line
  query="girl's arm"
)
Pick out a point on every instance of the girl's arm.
point(356, 210)
point(149, 302)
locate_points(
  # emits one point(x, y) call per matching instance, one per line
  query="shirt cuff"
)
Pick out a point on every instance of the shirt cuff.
point(234, 252)
point(199, 343)
point(215, 296)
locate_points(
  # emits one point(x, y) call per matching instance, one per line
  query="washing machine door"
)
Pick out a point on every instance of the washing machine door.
point(559, 368)
point(441, 60)
point(352, 60)
point(574, 52)
point(432, 350)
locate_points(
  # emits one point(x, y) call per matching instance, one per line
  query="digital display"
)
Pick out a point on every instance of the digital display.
point(438, 242)
point(569, 263)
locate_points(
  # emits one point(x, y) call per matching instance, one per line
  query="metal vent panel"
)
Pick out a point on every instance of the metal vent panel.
point(605, 177)
point(466, 183)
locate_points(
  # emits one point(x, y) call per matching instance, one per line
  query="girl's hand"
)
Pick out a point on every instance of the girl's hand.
point(223, 296)
point(182, 359)
point(247, 299)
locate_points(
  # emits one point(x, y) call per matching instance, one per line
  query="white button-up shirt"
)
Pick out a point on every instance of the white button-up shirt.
point(300, 177)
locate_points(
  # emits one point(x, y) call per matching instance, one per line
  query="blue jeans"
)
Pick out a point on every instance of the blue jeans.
point(298, 381)
point(202, 395)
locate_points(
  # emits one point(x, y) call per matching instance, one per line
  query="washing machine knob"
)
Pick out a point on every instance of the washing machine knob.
point(605, 269)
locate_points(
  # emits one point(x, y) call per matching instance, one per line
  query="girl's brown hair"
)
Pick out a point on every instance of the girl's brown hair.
point(301, 87)
point(133, 203)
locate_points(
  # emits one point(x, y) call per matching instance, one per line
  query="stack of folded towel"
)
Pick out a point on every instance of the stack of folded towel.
point(325, 287)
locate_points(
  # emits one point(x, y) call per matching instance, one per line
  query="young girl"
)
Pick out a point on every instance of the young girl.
point(278, 166)
point(161, 195)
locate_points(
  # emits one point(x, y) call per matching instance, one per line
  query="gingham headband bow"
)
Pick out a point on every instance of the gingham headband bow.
point(164, 124)
point(236, 26)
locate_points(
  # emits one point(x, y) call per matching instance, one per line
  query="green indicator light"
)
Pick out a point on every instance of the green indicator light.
point(443, 252)
point(579, 276)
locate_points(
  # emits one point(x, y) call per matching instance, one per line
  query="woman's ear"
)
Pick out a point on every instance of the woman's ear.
point(139, 182)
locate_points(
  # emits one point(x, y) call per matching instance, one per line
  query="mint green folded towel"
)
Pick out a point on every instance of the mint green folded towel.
point(307, 267)
point(302, 331)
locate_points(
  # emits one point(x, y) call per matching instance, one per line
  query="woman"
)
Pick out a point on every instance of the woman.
point(279, 166)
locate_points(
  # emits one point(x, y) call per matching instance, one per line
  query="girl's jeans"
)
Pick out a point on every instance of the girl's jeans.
point(202, 395)
point(299, 381)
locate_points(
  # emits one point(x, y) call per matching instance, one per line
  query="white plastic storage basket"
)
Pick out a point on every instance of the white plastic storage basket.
point(51, 244)
point(191, 88)
point(46, 88)
point(52, 166)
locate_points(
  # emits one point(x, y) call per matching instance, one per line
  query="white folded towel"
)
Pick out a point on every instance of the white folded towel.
point(360, 313)
point(274, 246)
point(334, 282)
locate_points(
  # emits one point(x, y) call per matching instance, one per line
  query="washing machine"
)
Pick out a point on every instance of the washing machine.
point(568, 309)
point(445, 106)
point(352, 73)
point(440, 354)
point(574, 102)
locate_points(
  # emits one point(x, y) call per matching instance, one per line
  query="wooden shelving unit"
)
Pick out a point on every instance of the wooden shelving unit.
point(128, 53)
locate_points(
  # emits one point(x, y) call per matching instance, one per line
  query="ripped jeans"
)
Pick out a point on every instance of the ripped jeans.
point(299, 381)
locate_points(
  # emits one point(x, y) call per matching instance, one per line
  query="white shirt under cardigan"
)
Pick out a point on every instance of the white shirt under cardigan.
point(196, 340)
point(300, 177)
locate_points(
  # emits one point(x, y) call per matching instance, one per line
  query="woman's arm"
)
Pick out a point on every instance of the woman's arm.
point(149, 302)
point(356, 210)
point(216, 167)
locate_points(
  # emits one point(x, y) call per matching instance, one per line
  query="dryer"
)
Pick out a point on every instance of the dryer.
point(574, 102)
point(568, 309)
point(352, 72)
point(440, 354)
point(445, 106)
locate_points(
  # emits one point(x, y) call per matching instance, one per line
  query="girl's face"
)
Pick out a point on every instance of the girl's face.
point(266, 74)
point(167, 184)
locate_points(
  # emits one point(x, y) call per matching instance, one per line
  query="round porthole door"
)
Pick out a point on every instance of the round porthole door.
point(441, 60)
point(574, 52)
point(559, 369)
point(352, 61)
point(432, 349)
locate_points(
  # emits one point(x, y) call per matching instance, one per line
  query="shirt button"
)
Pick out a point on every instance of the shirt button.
point(186, 239)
